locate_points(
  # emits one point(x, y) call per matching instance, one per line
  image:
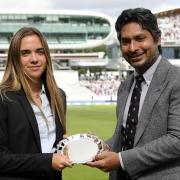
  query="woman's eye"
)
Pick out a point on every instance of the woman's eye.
point(24, 53)
point(40, 52)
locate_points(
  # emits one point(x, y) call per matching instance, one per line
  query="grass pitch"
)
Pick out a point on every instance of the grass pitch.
point(97, 119)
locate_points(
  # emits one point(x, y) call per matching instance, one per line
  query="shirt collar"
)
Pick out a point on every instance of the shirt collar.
point(148, 75)
point(43, 89)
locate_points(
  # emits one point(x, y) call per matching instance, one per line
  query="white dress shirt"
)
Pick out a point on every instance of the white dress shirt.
point(47, 130)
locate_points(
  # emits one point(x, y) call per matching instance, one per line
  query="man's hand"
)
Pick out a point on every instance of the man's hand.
point(106, 161)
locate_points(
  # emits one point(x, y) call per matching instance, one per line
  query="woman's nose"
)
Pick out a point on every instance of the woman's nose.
point(34, 58)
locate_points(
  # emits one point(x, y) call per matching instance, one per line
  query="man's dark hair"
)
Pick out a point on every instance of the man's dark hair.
point(144, 17)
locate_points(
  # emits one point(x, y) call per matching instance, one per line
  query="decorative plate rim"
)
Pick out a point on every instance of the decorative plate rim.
point(61, 147)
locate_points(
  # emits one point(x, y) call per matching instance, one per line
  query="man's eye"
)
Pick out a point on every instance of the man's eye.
point(140, 39)
point(125, 41)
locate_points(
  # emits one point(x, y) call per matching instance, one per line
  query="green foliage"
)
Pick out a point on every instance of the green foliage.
point(98, 119)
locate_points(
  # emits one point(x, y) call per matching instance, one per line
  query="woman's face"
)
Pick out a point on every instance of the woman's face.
point(32, 57)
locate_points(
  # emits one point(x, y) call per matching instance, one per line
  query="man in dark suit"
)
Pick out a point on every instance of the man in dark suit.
point(146, 141)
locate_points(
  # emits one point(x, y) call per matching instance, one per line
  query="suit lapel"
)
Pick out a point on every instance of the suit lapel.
point(156, 88)
point(59, 128)
point(31, 117)
point(122, 98)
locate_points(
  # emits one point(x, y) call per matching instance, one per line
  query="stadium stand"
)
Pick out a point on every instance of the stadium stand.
point(79, 30)
point(169, 24)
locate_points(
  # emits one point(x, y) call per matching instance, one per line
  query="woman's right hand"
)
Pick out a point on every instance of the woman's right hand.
point(60, 161)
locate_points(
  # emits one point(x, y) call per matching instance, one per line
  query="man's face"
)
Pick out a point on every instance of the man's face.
point(138, 46)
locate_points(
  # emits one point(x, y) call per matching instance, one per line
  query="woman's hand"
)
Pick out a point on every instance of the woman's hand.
point(60, 161)
point(65, 136)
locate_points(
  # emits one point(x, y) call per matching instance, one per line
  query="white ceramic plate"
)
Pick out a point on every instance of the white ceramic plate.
point(80, 147)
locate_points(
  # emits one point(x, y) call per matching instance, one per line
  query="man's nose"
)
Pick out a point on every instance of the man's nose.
point(133, 46)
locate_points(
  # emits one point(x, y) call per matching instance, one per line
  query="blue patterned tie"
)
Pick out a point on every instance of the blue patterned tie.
point(132, 118)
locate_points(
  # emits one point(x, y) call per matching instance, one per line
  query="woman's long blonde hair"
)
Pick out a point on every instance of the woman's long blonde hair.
point(14, 78)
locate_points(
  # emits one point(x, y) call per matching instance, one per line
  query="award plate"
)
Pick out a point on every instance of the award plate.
point(80, 148)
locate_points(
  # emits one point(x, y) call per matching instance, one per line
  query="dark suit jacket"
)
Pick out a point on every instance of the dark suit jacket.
point(156, 152)
point(20, 148)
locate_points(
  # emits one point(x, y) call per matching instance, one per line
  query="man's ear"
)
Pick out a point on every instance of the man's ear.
point(159, 41)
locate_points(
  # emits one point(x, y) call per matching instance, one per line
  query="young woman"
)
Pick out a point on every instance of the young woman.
point(32, 112)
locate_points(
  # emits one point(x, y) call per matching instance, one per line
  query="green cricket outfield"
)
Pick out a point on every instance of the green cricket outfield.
point(97, 119)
